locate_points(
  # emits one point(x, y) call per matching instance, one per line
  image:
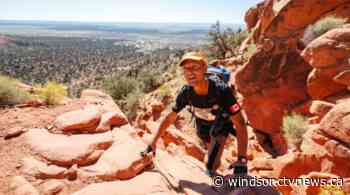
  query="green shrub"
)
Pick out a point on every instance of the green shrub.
point(132, 102)
point(52, 93)
point(332, 190)
point(250, 51)
point(149, 80)
point(164, 90)
point(326, 24)
point(294, 127)
point(119, 86)
point(10, 94)
point(237, 38)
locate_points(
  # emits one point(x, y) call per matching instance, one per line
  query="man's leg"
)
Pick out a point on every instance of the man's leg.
point(215, 152)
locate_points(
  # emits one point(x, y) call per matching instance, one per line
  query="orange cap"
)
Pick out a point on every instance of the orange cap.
point(195, 56)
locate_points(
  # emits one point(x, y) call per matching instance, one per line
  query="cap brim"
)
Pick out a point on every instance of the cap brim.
point(193, 58)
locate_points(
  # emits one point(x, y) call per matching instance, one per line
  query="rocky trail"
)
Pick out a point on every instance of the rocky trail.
point(87, 146)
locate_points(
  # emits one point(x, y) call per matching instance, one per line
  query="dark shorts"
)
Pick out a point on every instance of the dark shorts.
point(203, 129)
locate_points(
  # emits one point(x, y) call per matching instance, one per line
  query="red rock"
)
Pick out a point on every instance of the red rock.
point(52, 187)
point(314, 120)
point(146, 183)
point(337, 122)
point(184, 172)
point(68, 150)
point(20, 186)
point(252, 15)
point(293, 165)
point(319, 86)
point(289, 18)
point(40, 170)
point(121, 161)
point(104, 101)
point(329, 55)
point(172, 135)
point(343, 78)
point(84, 120)
point(272, 85)
point(111, 119)
point(157, 109)
point(346, 185)
point(14, 132)
point(320, 108)
point(31, 103)
point(72, 172)
point(329, 50)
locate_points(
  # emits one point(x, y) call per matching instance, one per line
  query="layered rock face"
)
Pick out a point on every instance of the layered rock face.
point(279, 77)
point(329, 56)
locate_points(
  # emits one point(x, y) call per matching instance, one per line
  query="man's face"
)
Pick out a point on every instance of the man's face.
point(193, 71)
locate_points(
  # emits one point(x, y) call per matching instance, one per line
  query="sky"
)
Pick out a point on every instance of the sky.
point(180, 11)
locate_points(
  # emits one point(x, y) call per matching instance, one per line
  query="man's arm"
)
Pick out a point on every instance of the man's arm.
point(168, 120)
point(242, 134)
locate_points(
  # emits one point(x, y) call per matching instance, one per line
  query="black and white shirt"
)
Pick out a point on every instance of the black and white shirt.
point(219, 96)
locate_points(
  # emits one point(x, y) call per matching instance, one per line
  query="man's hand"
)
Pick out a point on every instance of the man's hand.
point(168, 120)
point(150, 148)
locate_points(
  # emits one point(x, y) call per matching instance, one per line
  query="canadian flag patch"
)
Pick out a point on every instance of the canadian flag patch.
point(235, 107)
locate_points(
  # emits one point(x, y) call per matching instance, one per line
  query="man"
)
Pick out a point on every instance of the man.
point(215, 109)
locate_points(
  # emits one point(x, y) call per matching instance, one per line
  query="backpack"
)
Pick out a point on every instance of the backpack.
point(220, 72)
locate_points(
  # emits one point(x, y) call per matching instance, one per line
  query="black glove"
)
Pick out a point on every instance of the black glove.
point(240, 166)
point(148, 150)
point(240, 169)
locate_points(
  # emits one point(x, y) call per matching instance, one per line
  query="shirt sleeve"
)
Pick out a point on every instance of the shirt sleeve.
point(228, 100)
point(181, 100)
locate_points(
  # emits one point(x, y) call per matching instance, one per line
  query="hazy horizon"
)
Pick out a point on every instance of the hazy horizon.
point(131, 11)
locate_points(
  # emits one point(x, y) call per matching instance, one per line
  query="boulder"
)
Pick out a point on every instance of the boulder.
point(157, 108)
point(110, 120)
point(289, 18)
point(252, 16)
point(320, 108)
point(146, 183)
point(40, 170)
point(121, 161)
point(320, 86)
point(271, 85)
point(343, 78)
point(329, 55)
point(52, 187)
point(20, 186)
point(68, 150)
point(84, 120)
point(331, 154)
point(14, 132)
point(172, 135)
point(104, 101)
point(295, 164)
point(329, 50)
point(337, 123)
point(184, 173)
